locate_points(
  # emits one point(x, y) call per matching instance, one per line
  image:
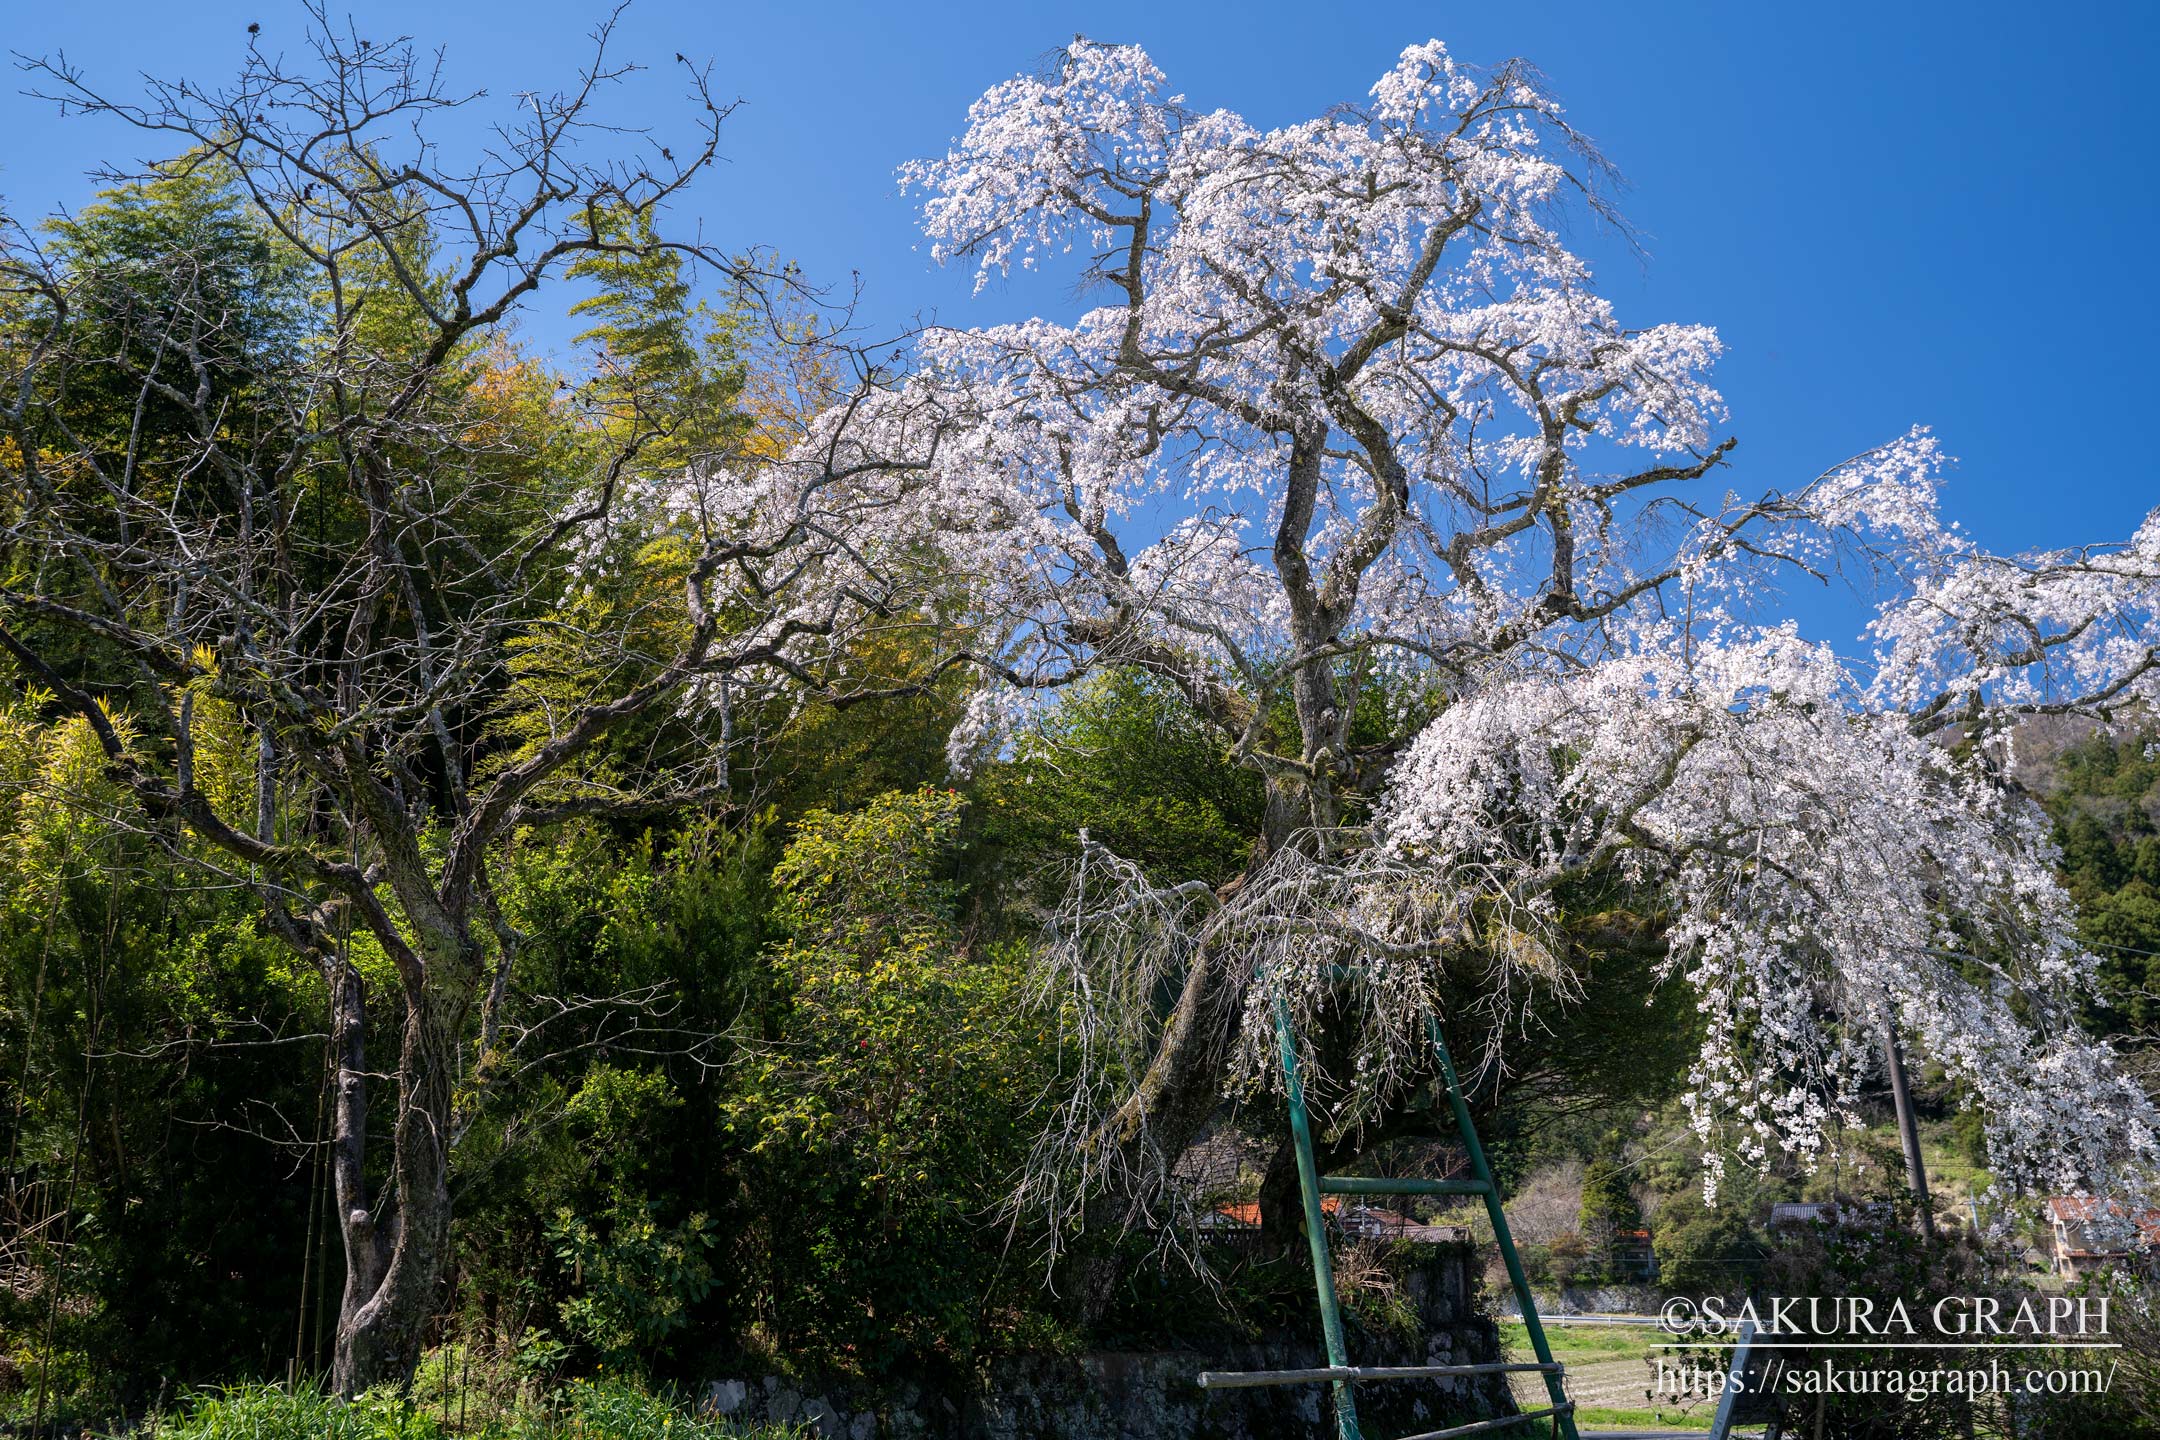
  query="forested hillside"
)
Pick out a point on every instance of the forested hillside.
point(2104, 794)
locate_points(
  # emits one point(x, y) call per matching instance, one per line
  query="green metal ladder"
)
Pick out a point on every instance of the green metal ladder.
point(1339, 1372)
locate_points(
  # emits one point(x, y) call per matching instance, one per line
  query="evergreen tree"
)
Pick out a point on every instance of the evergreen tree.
point(664, 360)
point(1609, 1211)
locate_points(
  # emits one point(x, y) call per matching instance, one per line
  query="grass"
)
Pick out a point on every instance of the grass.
point(582, 1410)
point(1590, 1419)
point(271, 1412)
point(1586, 1342)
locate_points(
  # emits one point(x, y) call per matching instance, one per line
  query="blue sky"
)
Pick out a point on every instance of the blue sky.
point(1893, 212)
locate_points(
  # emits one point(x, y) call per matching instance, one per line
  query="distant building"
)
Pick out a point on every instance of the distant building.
point(2091, 1234)
point(1372, 1222)
point(1246, 1216)
point(1634, 1258)
point(1356, 1222)
point(1801, 1212)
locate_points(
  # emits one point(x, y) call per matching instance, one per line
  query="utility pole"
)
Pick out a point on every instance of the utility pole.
point(1908, 1130)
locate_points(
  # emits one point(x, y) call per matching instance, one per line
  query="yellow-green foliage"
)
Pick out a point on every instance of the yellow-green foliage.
point(896, 1098)
point(53, 788)
point(896, 1037)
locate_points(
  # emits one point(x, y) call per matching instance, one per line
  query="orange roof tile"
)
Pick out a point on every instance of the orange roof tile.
point(1249, 1213)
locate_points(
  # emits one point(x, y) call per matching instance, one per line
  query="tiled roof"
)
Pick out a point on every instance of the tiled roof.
point(1249, 1213)
point(2082, 1215)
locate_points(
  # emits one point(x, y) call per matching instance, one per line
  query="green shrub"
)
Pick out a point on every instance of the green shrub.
point(886, 1117)
point(585, 1410)
point(1704, 1250)
point(638, 1276)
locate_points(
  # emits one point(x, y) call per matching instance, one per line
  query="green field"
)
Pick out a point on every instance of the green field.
point(1571, 1343)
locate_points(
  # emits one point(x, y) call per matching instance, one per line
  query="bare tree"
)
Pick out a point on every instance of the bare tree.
point(319, 535)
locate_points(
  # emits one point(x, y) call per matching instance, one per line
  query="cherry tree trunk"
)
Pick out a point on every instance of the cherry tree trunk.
point(396, 1247)
point(1182, 1088)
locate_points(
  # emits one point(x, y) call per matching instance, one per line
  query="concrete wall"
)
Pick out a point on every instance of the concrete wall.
point(1156, 1395)
point(1604, 1299)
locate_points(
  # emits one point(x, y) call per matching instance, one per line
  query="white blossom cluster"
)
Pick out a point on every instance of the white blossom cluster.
point(1829, 875)
point(2038, 631)
point(1216, 244)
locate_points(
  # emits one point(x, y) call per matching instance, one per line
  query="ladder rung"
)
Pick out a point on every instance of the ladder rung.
point(1253, 1379)
point(1371, 1185)
point(1480, 1427)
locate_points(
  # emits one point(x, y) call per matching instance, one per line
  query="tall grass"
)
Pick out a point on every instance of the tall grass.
point(582, 1410)
point(272, 1412)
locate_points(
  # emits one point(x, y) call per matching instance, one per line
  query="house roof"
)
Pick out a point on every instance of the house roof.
point(2094, 1226)
point(1371, 1219)
point(1249, 1212)
point(1366, 1218)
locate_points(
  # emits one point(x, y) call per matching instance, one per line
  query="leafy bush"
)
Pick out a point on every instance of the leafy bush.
point(638, 1276)
point(120, 985)
point(1875, 1250)
point(1566, 1256)
point(615, 1411)
point(893, 1104)
point(610, 1410)
point(1157, 788)
point(598, 1202)
point(1706, 1250)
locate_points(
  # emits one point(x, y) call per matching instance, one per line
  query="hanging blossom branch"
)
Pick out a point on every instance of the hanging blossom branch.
point(1340, 930)
point(1830, 872)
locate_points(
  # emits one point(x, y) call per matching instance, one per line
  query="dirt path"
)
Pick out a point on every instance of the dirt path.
point(1615, 1384)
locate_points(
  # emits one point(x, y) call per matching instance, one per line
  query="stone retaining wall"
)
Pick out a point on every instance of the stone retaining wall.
point(1156, 1395)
